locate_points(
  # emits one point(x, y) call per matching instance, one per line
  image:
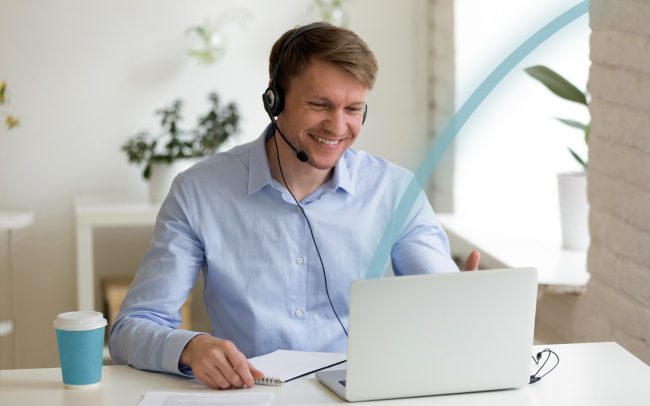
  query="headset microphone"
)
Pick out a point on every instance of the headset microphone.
point(302, 155)
point(273, 99)
point(273, 96)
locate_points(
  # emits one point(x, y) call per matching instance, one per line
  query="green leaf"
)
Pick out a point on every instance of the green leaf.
point(173, 142)
point(573, 123)
point(587, 133)
point(557, 84)
point(202, 32)
point(577, 157)
point(3, 89)
point(12, 122)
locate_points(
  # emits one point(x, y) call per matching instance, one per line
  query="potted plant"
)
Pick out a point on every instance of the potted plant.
point(10, 121)
point(572, 186)
point(332, 11)
point(175, 149)
point(209, 38)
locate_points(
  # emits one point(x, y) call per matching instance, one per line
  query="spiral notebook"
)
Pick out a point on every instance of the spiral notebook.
point(284, 365)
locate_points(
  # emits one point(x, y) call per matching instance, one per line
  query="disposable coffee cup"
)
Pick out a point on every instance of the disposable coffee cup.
point(80, 338)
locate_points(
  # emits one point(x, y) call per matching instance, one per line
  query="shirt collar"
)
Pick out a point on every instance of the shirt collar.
point(259, 174)
point(341, 175)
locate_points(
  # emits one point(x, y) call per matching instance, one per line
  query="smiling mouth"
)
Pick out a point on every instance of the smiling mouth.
point(324, 141)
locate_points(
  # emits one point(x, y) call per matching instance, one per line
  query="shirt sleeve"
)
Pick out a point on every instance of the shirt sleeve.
point(422, 247)
point(145, 333)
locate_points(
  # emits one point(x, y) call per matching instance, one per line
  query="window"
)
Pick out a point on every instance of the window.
point(509, 153)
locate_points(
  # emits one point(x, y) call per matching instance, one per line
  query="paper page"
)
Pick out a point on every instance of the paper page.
point(286, 365)
point(206, 399)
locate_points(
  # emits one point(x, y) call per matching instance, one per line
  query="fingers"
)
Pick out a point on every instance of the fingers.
point(227, 364)
point(472, 261)
point(256, 372)
point(211, 376)
point(240, 368)
point(220, 365)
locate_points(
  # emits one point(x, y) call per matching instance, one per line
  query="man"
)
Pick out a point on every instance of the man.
point(277, 273)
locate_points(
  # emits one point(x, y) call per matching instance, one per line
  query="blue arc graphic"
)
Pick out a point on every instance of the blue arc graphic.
point(442, 142)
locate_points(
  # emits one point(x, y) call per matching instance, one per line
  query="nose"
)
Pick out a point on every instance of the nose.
point(336, 123)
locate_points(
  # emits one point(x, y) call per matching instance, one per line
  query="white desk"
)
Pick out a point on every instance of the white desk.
point(98, 212)
point(588, 374)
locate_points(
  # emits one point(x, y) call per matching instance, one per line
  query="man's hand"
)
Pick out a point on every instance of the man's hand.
point(218, 363)
point(472, 261)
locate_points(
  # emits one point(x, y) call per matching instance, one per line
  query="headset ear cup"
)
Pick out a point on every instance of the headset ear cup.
point(273, 102)
point(365, 113)
point(279, 102)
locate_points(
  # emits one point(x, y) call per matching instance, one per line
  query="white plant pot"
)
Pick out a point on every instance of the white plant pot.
point(574, 210)
point(162, 176)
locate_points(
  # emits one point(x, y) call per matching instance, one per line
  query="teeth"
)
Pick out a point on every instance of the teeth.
point(324, 141)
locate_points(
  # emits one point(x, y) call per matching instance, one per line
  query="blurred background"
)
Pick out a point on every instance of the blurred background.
point(83, 76)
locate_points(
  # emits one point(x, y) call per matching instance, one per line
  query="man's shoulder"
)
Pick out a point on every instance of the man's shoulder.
point(363, 164)
point(221, 162)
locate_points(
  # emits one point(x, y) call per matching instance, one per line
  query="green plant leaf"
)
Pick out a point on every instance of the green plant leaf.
point(587, 133)
point(12, 122)
point(173, 142)
point(557, 84)
point(202, 31)
point(3, 89)
point(573, 123)
point(578, 158)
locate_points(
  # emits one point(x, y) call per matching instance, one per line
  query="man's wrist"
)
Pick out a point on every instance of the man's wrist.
point(186, 354)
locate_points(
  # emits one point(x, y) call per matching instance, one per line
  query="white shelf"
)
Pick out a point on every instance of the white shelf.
point(15, 219)
point(99, 211)
point(566, 270)
point(93, 212)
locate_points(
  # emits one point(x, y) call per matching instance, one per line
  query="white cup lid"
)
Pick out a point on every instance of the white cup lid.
point(79, 321)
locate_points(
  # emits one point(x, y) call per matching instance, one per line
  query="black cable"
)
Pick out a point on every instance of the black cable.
point(534, 378)
point(277, 151)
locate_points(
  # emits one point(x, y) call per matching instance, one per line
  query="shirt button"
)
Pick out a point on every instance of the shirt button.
point(298, 313)
point(300, 260)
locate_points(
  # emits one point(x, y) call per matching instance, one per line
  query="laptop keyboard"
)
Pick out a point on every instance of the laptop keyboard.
point(342, 382)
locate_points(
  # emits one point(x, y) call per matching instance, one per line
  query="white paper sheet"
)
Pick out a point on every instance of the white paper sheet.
point(206, 399)
point(286, 365)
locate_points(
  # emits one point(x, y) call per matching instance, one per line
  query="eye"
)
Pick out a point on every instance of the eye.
point(318, 105)
point(354, 110)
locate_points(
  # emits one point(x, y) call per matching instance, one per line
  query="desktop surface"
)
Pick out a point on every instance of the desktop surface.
point(590, 374)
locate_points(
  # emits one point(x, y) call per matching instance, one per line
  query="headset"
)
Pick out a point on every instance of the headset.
point(273, 99)
point(535, 378)
point(273, 96)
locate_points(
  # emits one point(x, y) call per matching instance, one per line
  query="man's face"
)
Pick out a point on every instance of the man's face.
point(323, 112)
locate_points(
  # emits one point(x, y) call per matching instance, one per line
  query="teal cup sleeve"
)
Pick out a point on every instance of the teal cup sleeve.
point(81, 353)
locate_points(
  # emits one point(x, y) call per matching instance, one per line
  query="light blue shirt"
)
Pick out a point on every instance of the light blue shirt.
point(264, 290)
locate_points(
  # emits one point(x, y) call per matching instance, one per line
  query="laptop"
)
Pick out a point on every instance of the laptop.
point(438, 334)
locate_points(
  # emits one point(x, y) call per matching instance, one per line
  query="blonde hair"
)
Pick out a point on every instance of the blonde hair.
point(338, 46)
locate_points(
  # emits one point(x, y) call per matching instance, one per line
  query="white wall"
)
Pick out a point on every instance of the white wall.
point(86, 74)
point(510, 151)
point(616, 305)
